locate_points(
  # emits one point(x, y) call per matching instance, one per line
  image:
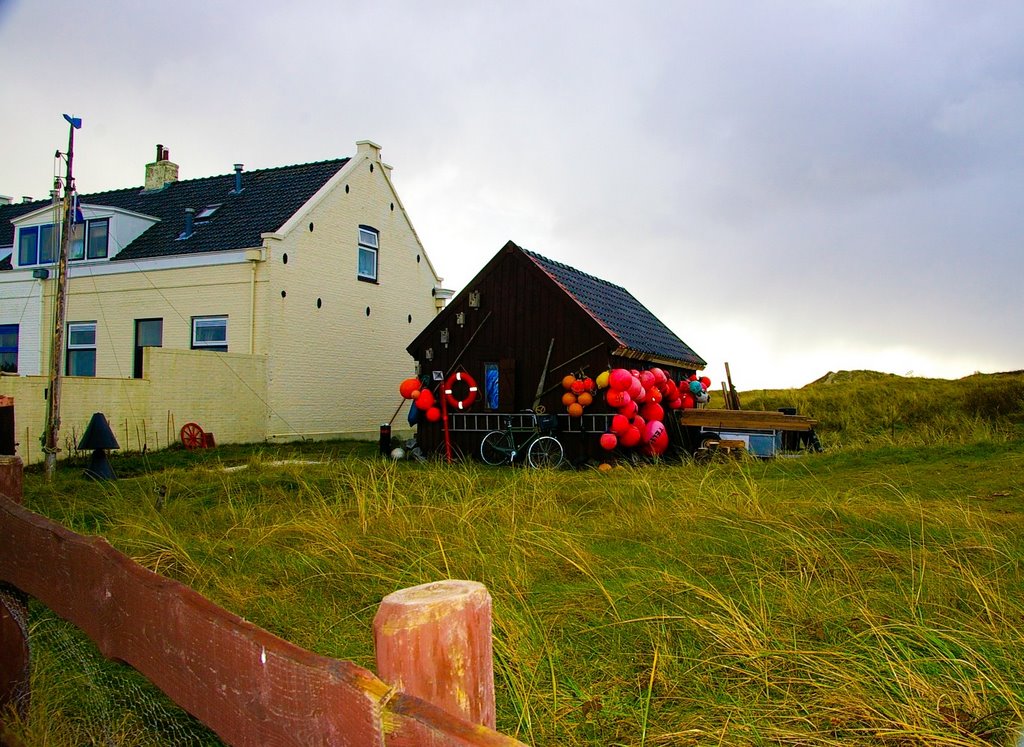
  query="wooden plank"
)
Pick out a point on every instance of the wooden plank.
point(246, 684)
point(754, 419)
point(15, 656)
point(413, 722)
point(734, 396)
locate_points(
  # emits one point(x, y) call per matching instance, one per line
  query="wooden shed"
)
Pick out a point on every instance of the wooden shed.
point(521, 325)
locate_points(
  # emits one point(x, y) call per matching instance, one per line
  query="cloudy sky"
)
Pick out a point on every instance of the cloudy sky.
point(793, 186)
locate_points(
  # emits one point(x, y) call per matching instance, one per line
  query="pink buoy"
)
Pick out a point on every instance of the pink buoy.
point(620, 379)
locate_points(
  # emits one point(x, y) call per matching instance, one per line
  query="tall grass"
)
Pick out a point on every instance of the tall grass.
point(866, 408)
point(869, 596)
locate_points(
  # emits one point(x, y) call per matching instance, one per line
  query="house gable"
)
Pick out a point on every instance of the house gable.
point(632, 331)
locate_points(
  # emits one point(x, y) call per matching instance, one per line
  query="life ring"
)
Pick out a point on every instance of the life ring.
point(469, 399)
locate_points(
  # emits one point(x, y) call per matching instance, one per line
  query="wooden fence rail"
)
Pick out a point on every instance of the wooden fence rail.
point(246, 684)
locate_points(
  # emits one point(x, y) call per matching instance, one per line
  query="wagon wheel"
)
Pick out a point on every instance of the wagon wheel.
point(192, 436)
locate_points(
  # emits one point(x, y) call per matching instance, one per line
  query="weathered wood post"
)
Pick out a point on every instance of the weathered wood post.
point(434, 641)
point(14, 653)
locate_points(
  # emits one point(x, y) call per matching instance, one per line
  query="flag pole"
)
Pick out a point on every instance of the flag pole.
point(52, 432)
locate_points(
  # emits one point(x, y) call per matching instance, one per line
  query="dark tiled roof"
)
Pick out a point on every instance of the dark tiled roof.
point(268, 198)
point(10, 212)
point(619, 312)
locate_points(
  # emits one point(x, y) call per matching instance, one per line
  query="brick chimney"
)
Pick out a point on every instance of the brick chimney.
point(161, 172)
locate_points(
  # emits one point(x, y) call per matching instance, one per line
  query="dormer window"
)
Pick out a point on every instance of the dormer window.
point(90, 240)
point(37, 245)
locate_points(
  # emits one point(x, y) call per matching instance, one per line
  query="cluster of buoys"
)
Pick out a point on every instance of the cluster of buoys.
point(698, 388)
point(459, 390)
point(423, 400)
point(579, 394)
point(640, 399)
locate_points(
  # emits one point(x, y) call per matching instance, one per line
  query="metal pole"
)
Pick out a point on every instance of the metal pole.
point(52, 432)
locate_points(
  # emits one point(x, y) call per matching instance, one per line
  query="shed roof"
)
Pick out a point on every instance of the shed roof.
point(269, 197)
point(619, 312)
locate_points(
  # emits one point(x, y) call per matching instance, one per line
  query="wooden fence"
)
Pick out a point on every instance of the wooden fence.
point(247, 685)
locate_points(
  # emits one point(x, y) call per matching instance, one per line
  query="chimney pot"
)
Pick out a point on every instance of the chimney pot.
point(159, 152)
point(189, 217)
point(238, 178)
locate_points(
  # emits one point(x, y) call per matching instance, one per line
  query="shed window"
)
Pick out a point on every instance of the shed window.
point(491, 376)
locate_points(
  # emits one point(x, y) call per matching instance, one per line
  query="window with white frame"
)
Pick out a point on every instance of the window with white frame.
point(369, 245)
point(210, 333)
point(81, 349)
point(37, 245)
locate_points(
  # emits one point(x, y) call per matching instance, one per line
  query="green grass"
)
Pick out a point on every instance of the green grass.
point(863, 408)
point(872, 594)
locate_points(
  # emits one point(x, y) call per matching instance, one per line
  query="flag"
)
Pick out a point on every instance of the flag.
point(76, 210)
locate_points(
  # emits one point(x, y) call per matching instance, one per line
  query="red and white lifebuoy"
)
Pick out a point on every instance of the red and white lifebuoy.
point(470, 386)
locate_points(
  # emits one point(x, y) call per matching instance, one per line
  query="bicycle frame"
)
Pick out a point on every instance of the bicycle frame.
point(531, 435)
point(505, 445)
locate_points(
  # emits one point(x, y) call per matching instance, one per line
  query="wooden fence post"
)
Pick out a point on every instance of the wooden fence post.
point(15, 665)
point(434, 641)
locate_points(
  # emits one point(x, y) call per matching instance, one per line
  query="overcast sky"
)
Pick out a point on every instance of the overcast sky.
point(793, 187)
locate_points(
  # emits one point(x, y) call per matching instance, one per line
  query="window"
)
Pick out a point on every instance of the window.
point(9, 348)
point(90, 240)
point(368, 246)
point(37, 245)
point(149, 333)
point(210, 333)
point(98, 231)
point(81, 354)
point(207, 212)
point(491, 386)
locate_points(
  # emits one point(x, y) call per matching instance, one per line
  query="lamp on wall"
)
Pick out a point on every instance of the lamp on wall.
point(474, 299)
point(40, 273)
point(429, 354)
point(444, 337)
point(460, 318)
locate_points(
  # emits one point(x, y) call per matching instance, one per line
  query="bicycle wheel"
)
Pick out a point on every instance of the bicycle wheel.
point(496, 448)
point(546, 451)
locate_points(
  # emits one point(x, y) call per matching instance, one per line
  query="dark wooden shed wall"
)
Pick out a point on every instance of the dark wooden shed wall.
point(521, 310)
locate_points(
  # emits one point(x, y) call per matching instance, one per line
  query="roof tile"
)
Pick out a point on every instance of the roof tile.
point(619, 312)
point(268, 198)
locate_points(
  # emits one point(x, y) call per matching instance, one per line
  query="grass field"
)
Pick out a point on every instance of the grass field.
point(872, 594)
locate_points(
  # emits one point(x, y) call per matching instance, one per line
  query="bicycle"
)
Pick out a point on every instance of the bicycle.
point(541, 449)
